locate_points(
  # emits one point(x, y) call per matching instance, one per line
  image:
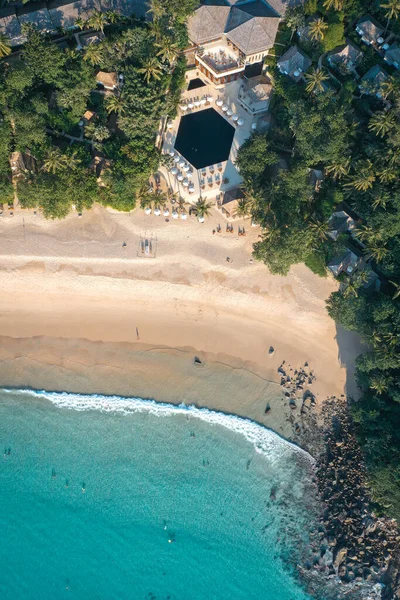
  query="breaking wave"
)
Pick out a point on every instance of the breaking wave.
point(264, 440)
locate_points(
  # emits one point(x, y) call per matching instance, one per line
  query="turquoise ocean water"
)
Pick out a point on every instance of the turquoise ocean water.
point(105, 498)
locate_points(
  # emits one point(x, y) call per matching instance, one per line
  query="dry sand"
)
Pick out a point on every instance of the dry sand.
point(74, 302)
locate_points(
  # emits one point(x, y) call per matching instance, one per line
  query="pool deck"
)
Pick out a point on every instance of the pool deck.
point(209, 182)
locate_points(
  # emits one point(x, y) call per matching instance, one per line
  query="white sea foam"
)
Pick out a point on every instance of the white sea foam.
point(264, 440)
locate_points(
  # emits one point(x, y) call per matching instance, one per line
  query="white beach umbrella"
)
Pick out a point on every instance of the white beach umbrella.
point(184, 107)
point(203, 101)
point(235, 118)
point(201, 219)
point(166, 212)
point(180, 177)
point(170, 124)
point(182, 163)
point(157, 212)
point(189, 173)
point(210, 99)
point(185, 183)
point(171, 153)
point(191, 187)
point(190, 105)
point(174, 171)
point(240, 121)
point(254, 126)
point(197, 102)
point(147, 210)
point(183, 216)
point(186, 168)
point(175, 214)
point(229, 112)
point(224, 108)
point(176, 159)
point(219, 102)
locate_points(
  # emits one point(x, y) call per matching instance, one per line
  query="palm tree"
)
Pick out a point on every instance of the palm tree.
point(316, 29)
point(203, 208)
point(156, 29)
point(319, 230)
point(93, 54)
point(97, 133)
point(151, 69)
point(169, 50)
point(71, 161)
point(376, 339)
point(116, 104)
point(392, 10)
point(339, 169)
point(377, 252)
point(181, 204)
point(381, 200)
point(364, 177)
point(390, 88)
point(397, 290)
point(243, 209)
point(351, 289)
point(98, 20)
point(81, 23)
point(156, 8)
point(379, 383)
point(146, 200)
point(387, 175)
point(54, 161)
point(315, 81)
point(335, 4)
point(382, 122)
point(5, 45)
point(368, 234)
point(112, 16)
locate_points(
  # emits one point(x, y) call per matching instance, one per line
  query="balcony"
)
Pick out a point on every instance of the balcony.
point(220, 60)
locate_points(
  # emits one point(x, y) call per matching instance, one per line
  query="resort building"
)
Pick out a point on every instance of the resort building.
point(255, 94)
point(340, 222)
point(370, 30)
point(372, 81)
point(225, 38)
point(346, 263)
point(294, 63)
point(228, 202)
point(22, 163)
point(55, 14)
point(109, 81)
point(347, 55)
point(392, 56)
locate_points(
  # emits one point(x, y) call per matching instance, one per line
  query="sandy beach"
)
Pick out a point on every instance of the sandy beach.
point(80, 311)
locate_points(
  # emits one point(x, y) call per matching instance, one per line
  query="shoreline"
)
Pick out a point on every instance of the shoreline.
point(80, 312)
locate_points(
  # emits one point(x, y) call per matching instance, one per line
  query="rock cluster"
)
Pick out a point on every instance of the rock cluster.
point(353, 542)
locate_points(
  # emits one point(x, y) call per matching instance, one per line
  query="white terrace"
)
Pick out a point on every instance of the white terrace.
point(208, 182)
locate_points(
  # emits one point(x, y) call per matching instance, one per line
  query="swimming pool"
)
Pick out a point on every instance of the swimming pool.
point(204, 138)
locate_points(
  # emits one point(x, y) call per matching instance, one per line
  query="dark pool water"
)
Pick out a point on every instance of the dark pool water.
point(204, 138)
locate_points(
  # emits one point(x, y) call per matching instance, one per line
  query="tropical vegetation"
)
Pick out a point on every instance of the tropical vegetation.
point(333, 147)
point(46, 93)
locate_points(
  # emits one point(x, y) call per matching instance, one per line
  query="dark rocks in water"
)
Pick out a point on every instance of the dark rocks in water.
point(273, 493)
point(267, 408)
point(271, 350)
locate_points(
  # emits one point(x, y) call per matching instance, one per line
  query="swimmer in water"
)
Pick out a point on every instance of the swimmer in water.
point(165, 525)
point(83, 487)
point(53, 473)
point(66, 483)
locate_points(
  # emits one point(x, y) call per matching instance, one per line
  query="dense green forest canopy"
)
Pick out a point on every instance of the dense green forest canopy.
point(353, 139)
point(46, 89)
